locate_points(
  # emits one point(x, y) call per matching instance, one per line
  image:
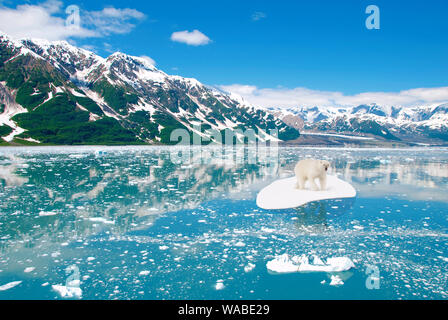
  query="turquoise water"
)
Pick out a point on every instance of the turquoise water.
point(131, 224)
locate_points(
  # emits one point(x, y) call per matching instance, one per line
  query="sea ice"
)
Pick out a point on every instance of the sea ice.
point(336, 281)
point(249, 267)
point(68, 292)
point(283, 194)
point(10, 285)
point(282, 264)
point(100, 219)
point(219, 285)
point(47, 213)
point(304, 263)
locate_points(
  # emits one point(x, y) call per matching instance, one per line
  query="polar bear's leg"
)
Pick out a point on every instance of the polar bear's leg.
point(301, 182)
point(323, 182)
point(314, 186)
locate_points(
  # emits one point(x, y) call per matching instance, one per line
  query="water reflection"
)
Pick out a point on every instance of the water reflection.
point(315, 216)
point(78, 193)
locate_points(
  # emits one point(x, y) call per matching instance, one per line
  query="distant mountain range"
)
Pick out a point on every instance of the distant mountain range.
point(425, 124)
point(55, 93)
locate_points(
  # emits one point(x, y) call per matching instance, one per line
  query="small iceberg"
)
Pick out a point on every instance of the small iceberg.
point(9, 285)
point(312, 263)
point(219, 285)
point(102, 220)
point(336, 281)
point(47, 213)
point(68, 291)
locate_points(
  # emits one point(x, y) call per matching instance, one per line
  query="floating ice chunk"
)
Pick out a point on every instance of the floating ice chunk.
point(68, 292)
point(9, 285)
point(100, 219)
point(163, 248)
point(240, 244)
point(285, 264)
point(77, 156)
point(249, 267)
point(336, 281)
point(219, 285)
point(29, 269)
point(282, 264)
point(339, 264)
point(47, 213)
point(283, 193)
point(90, 258)
point(143, 273)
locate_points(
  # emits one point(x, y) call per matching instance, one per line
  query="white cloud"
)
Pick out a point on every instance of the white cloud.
point(149, 60)
point(284, 98)
point(258, 16)
point(47, 21)
point(111, 20)
point(193, 38)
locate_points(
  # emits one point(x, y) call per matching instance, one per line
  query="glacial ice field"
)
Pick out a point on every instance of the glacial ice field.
point(174, 223)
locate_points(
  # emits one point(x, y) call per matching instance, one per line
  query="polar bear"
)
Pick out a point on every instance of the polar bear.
point(311, 169)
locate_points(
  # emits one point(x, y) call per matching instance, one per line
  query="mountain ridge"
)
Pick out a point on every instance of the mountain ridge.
point(120, 99)
point(427, 124)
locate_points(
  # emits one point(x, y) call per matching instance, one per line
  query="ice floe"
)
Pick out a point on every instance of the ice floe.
point(219, 285)
point(286, 264)
point(47, 213)
point(283, 194)
point(9, 285)
point(336, 281)
point(68, 291)
point(249, 267)
point(102, 220)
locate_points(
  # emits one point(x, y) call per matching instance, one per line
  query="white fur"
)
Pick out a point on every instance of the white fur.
point(310, 170)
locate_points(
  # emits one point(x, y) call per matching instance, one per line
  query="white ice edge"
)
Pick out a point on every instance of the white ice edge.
point(283, 194)
point(9, 285)
point(286, 264)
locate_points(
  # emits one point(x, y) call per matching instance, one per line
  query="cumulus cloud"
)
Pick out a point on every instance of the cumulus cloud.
point(111, 20)
point(285, 98)
point(47, 20)
point(258, 16)
point(149, 60)
point(192, 38)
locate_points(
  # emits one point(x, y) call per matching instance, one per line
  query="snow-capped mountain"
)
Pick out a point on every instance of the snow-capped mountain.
point(53, 92)
point(416, 124)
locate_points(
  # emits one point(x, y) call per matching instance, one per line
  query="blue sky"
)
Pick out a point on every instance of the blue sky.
point(321, 46)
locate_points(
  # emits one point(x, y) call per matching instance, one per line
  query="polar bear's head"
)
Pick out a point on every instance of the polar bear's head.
point(325, 164)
